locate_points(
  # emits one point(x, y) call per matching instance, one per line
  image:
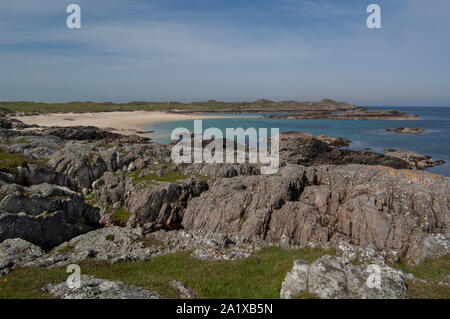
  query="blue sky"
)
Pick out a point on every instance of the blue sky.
point(162, 50)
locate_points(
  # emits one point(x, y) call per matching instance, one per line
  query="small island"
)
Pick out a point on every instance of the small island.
point(406, 130)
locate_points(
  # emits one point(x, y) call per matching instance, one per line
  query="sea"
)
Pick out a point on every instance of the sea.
point(435, 141)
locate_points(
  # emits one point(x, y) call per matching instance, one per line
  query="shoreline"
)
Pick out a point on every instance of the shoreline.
point(123, 122)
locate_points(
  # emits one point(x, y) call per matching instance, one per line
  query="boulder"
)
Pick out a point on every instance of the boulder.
point(93, 288)
point(415, 161)
point(327, 278)
point(45, 214)
point(17, 252)
point(234, 253)
point(184, 293)
point(296, 280)
point(114, 244)
point(331, 277)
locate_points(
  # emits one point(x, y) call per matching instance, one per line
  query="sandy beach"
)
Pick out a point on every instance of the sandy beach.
point(132, 122)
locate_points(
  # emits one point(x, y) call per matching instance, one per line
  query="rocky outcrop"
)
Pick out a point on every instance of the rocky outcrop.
point(17, 252)
point(242, 204)
point(222, 253)
point(406, 130)
point(331, 278)
point(307, 149)
point(427, 246)
point(33, 174)
point(296, 280)
point(91, 133)
point(10, 123)
point(152, 204)
point(365, 205)
point(120, 244)
point(93, 288)
point(76, 157)
point(348, 114)
point(415, 161)
point(267, 106)
point(134, 185)
point(220, 170)
point(113, 244)
point(331, 142)
point(45, 215)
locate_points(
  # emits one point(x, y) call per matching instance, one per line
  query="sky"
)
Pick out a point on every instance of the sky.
point(230, 50)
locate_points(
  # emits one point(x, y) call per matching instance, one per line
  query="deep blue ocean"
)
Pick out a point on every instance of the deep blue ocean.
point(435, 141)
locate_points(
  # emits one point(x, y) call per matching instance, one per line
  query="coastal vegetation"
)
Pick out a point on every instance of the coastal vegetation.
point(34, 108)
point(9, 162)
point(259, 276)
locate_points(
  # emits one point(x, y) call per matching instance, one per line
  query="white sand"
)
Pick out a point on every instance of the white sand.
point(121, 122)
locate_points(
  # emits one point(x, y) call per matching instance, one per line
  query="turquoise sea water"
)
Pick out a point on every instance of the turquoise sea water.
point(435, 141)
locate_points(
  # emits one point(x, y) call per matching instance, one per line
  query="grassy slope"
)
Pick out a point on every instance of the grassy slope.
point(257, 277)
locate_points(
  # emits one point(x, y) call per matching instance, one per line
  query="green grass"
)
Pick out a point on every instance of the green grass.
point(90, 198)
point(121, 216)
point(27, 283)
point(10, 161)
point(259, 276)
point(66, 249)
point(31, 108)
point(431, 270)
point(11, 141)
point(170, 176)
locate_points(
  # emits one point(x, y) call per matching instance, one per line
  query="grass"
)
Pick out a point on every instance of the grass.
point(121, 216)
point(259, 276)
point(170, 176)
point(432, 271)
point(32, 108)
point(66, 249)
point(90, 198)
point(27, 283)
point(10, 161)
point(10, 141)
